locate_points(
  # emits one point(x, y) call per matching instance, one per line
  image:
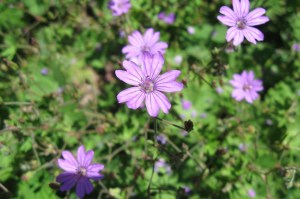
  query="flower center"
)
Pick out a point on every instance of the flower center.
point(247, 87)
point(145, 49)
point(147, 85)
point(82, 171)
point(241, 24)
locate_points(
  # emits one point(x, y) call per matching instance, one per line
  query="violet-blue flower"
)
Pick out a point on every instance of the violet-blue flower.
point(186, 105)
point(162, 139)
point(296, 47)
point(149, 42)
point(161, 163)
point(78, 171)
point(240, 21)
point(119, 7)
point(168, 19)
point(147, 84)
point(245, 86)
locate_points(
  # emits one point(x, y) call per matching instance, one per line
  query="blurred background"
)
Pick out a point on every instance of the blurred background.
point(58, 91)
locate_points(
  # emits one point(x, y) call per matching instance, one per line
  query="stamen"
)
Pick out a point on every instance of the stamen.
point(82, 171)
point(147, 85)
point(241, 24)
point(247, 87)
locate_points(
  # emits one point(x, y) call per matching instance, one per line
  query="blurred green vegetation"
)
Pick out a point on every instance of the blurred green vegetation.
point(58, 90)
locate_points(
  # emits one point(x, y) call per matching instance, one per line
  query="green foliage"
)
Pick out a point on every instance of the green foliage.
point(79, 43)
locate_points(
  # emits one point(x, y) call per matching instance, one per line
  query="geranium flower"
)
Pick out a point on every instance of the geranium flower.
point(147, 84)
point(119, 7)
point(246, 87)
point(78, 171)
point(241, 21)
point(167, 18)
point(149, 42)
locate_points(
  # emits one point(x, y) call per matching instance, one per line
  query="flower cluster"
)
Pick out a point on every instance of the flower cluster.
point(143, 66)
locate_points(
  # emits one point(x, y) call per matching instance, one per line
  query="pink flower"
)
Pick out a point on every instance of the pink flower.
point(147, 84)
point(78, 171)
point(149, 42)
point(186, 105)
point(251, 193)
point(240, 21)
point(119, 7)
point(246, 87)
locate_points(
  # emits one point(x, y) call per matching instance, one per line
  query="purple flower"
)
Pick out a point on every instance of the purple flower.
point(269, 122)
point(186, 189)
point(147, 84)
point(78, 171)
point(191, 30)
point(296, 47)
point(246, 87)
point(241, 21)
point(243, 147)
point(161, 163)
point(168, 19)
point(184, 133)
point(203, 115)
point(251, 193)
point(119, 7)
point(144, 43)
point(44, 71)
point(186, 105)
point(219, 90)
point(178, 59)
point(162, 139)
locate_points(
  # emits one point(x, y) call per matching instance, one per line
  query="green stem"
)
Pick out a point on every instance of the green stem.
point(167, 122)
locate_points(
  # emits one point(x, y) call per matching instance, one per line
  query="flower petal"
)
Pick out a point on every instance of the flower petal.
point(258, 21)
point(152, 105)
point(239, 38)
point(226, 20)
point(238, 94)
point(170, 87)
point(81, 155)
point(248, 98)
point(66, 166)
point(231, 33)
point(136, 39)
point(228, 12)
point(131, 51)
point(257, 34)
point(162, 101)
point(136, 101)
point(151, 37)
point(69, 182)
point(83, 187)
point(152, 65)
point(167, 77)
point(133, 69)
point(237, 7)
point(88, 158)
point(249, 36)
point(159, 47)
point(245, 7)
point(127, 94)
point(68, 156)
point(95, 168)
point(127, 77)
point(255, 13)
